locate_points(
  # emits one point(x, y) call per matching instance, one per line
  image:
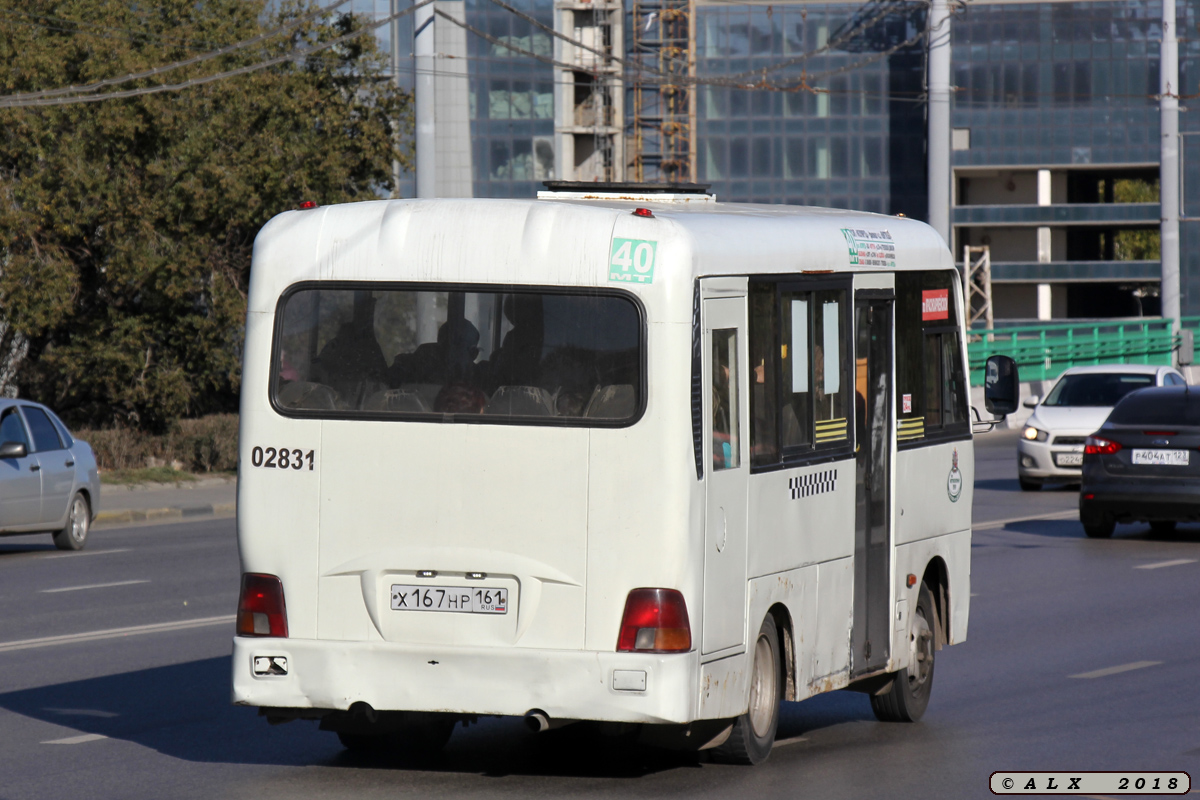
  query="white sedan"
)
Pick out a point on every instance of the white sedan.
point(1050, 449)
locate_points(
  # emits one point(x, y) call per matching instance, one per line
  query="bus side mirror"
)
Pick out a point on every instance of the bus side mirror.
point(1001, 386)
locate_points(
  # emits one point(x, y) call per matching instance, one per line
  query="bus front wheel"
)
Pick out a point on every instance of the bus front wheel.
point(753, 733)
point(909, 695)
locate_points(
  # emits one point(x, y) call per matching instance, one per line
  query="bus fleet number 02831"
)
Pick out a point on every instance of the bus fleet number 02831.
point(282, 458)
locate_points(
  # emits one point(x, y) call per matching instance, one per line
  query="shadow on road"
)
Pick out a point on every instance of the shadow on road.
point(183, 711)
point(1011, 485)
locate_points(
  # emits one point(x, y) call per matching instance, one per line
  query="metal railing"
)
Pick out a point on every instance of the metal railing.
point(1042, 352)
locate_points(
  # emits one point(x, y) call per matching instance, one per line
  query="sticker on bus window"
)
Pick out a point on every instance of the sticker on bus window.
point(632, 261)
point(935, 304)
point(906, 404)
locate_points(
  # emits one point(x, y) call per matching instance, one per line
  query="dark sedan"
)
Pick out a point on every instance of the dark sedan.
point(1143, 465)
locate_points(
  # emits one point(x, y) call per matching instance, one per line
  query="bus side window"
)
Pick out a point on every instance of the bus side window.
point(829, 390)
point(796, 425)
point(725, 412)
point(764, 407)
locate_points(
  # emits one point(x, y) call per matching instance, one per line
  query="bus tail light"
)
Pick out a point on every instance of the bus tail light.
point(655, 621)
point(1095, 446)
point(261, 611)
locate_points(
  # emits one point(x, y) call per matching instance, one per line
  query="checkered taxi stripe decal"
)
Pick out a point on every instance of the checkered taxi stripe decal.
point(813, 484)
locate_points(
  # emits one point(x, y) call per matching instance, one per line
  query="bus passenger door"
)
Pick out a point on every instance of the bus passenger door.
point(872, 442)
point(726, 428)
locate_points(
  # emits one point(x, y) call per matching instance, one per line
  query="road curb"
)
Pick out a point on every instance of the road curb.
point(170, 514)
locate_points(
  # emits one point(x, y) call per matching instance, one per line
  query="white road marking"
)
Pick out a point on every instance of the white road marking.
point(86, 737)
point(1160, 564)
point(88, 553)
point(81, 712)
point(115, 633)
point(792, 740)
point(92, 586)
point(1103, 673)
point(1000, 523)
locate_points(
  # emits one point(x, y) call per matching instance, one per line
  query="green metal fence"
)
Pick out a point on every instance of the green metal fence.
point(1042, 352)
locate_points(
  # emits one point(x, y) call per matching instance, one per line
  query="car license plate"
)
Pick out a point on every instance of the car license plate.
point(1169, 458)
point(1068, 459)
point(459, 599)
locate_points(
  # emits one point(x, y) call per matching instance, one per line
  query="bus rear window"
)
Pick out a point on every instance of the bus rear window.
point(478, 355)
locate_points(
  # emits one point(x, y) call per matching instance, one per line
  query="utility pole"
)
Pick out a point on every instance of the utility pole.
point(1168, 176)
point(395, 27)
point(423, 53)
point(938, 118)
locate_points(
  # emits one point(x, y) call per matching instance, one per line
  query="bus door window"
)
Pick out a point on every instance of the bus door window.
point(725, 443)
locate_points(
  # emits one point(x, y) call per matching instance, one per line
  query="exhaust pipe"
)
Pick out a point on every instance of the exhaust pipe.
point(537, 720)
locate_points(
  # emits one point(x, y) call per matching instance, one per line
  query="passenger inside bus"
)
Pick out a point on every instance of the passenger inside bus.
point(516, 361)
point(451, 359)
point(352, 362)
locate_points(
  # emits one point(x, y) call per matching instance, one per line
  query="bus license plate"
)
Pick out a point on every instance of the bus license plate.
point(1169, 458)
point(458, 599)
point(1068, 459)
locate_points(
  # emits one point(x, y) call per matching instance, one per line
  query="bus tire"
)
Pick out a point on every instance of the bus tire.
point(909, 695)
point(753, 733)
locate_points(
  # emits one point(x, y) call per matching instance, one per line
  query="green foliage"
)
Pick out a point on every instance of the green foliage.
point(1136, 245)
point(205, 444)
point(126, 225)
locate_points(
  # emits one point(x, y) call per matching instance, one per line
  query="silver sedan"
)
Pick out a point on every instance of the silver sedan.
point(48, 479)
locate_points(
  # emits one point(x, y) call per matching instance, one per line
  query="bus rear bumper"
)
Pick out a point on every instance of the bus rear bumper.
point(565, 684)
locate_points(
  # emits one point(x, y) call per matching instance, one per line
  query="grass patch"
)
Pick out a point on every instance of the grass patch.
point(146, 475)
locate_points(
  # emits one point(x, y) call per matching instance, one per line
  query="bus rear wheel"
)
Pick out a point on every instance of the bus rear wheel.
point(909, 695)
point(753, 733)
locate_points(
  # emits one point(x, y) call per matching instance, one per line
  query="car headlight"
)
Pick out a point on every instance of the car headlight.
point(1031, 433)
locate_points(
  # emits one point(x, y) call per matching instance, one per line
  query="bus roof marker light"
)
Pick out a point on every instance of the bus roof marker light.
point(643, 212)
point(307, 204)
point(655, 621)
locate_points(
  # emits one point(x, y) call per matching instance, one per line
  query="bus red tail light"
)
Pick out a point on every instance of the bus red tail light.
point(1096, 446)
point(261, 611)
point(655, 621)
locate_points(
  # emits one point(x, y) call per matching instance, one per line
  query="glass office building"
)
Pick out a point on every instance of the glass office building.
point(1055, 129)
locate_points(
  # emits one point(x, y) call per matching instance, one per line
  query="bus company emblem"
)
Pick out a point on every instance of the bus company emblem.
point(632, 261)
point(954, 480)
point(813, 484)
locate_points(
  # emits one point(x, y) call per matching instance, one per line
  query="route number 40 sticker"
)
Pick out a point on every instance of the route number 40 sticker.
point(632, 261)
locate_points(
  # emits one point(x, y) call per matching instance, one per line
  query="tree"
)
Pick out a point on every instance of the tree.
point(126, 225)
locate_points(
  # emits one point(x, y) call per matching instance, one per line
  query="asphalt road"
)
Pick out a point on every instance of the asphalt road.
point(146, 714)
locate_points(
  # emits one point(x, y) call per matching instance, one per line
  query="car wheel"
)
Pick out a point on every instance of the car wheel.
point(753, 733)
point(73, 536)
point(1162, 527)
point(1028, 485)
point(908, 697)
point(1101, 529)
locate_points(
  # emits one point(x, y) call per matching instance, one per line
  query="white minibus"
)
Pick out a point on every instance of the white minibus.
point(615, 454)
